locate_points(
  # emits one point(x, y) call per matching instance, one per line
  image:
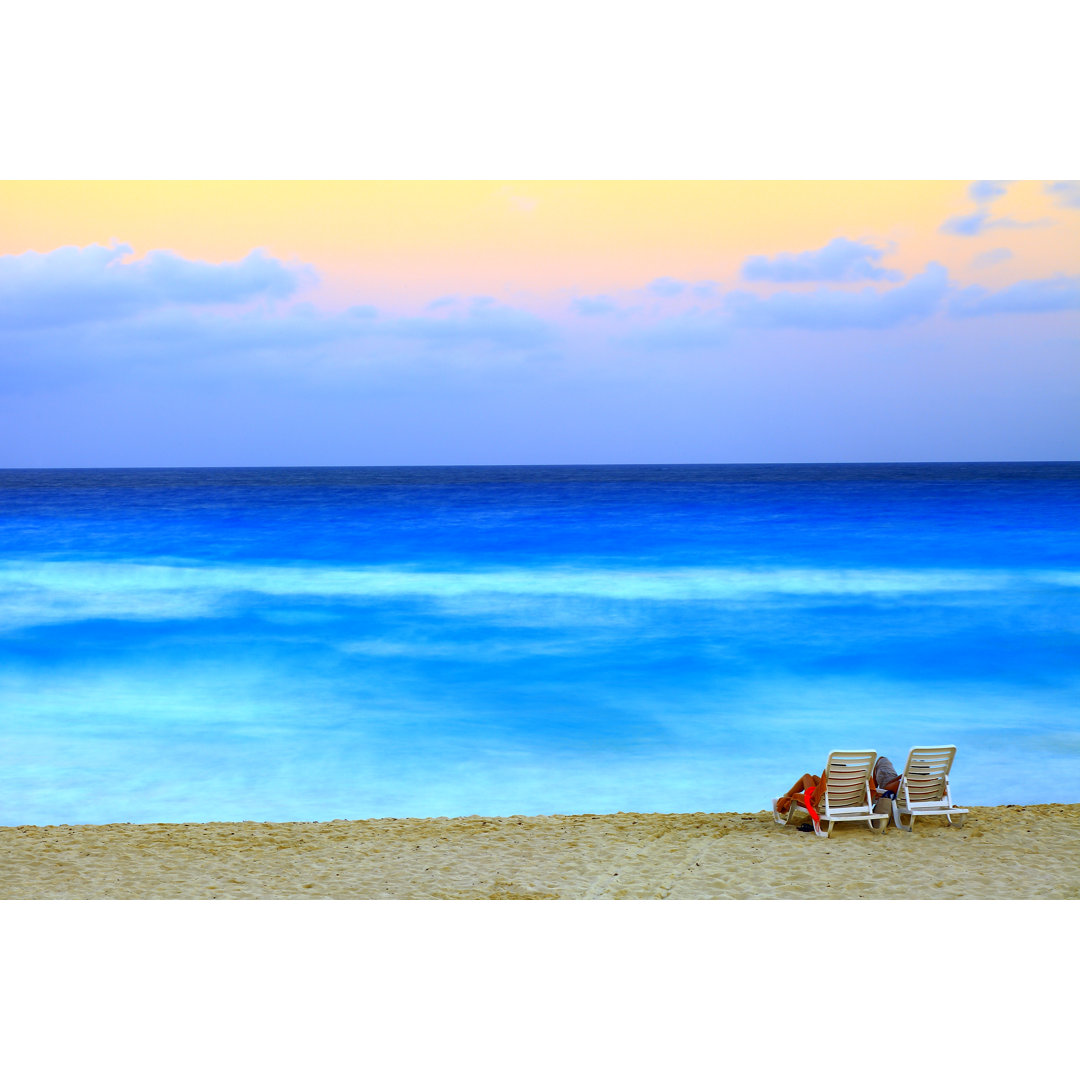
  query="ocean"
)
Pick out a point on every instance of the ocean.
point(307, 644)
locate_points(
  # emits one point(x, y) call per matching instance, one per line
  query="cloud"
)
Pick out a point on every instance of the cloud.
point(594, 305)
point(663, 288)
point(1060, 293)
point(990, 258)
point(978, 223)
point(987, 190)
point(169, 318)
point(1066, 192)
point(94, 293)
point(73, 285)
point(666, 287)
point(484, 322)
point(966, 224)
point(823, 309)
point(839, 309)
point(838, 260)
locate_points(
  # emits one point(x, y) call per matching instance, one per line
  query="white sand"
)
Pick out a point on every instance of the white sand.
point(1003, 852)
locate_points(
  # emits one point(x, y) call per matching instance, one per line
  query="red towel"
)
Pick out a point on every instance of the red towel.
point(810, 806)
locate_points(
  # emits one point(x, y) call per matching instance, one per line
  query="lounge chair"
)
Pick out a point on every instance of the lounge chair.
point(847, 793)
point(924, 787)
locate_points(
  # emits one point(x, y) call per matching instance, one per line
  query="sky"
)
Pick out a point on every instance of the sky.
point(187, 323)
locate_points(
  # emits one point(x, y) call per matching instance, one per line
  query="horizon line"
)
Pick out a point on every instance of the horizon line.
point(555, 465)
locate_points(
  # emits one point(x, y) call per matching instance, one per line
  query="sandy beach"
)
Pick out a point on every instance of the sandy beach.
point(1004, 852)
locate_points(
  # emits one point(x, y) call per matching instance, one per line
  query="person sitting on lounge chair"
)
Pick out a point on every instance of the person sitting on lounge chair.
point(809, 786)
point(885, 781)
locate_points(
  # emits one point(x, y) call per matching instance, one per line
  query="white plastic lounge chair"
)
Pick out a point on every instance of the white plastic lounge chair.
point(924, 787)
point(847, 793)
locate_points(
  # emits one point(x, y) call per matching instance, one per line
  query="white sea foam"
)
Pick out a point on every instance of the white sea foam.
point(44, 592)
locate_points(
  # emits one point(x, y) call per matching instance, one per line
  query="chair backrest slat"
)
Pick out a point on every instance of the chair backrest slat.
point(927, 771)
point(846, 775)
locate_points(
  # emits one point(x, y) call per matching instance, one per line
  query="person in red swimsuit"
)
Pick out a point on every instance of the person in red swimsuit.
point(809, 783)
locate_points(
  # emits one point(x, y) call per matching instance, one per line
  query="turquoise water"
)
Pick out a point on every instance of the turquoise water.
point(310, 644)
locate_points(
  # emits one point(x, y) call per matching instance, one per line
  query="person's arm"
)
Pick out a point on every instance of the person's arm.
point(892, 785)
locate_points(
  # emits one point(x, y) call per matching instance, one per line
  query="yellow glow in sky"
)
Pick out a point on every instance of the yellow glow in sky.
point(413, 240)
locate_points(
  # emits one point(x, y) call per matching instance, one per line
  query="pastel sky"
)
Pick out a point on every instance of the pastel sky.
point(424, 322)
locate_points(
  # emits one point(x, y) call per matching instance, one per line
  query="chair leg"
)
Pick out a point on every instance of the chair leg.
point(899, 822)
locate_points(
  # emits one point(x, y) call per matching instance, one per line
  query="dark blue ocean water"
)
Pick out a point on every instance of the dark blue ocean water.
point(309, 644)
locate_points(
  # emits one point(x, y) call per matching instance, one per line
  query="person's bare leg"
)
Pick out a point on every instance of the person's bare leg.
point(807, 780)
